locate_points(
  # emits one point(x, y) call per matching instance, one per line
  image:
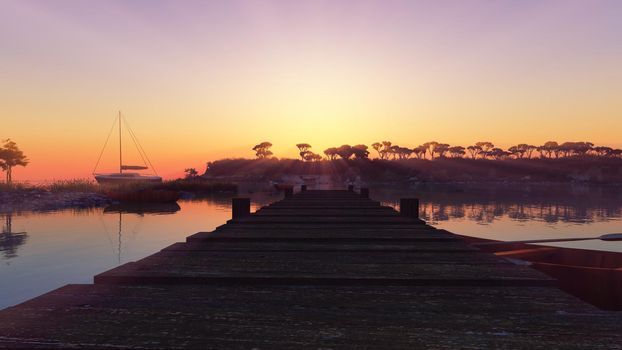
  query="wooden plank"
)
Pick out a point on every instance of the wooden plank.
point(319, 268)
point(321, 236)
point(326, 232)
point(385, 212)
point(280, 317)
point(327, 245)
point(326, 226)
point(302, 220)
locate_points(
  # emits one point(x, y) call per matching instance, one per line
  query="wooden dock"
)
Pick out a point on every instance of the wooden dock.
point(317, 270)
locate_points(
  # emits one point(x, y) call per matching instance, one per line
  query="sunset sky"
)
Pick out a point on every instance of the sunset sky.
point(201, 80)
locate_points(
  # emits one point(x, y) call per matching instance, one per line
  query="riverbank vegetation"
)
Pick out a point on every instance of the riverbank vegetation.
point(585, 168)
point(83, 193)
point(195, 185)
point(432, 161)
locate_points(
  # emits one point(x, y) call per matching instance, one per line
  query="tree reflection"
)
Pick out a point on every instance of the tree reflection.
point(487, 213)
point(10, 241)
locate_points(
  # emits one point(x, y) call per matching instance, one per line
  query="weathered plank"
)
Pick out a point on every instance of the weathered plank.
point(305, 212)
point(328, 245)
point(306, 220)
point(279, 317)
point(323, 232)
point(323, 267)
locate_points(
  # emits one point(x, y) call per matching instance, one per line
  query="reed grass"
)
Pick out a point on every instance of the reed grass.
point(15, 187)
point(74, 185)
point(85, 185)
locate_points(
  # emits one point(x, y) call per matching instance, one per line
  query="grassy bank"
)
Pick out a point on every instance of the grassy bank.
point(198, 186)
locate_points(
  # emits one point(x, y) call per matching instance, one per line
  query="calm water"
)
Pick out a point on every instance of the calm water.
point(43, 251)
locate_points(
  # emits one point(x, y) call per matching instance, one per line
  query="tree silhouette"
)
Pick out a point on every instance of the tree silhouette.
point(345, 151)
point(403, 152)
point(395, 152)
point(304, 149)
point(529, 149)
point(485, 148)
point(569, 149)
point(311, 157)
point(191, 173)
point(360, 151)
point(440, 149)
point(386, 149)
point(378, 147)
point(11, 156)
point(331, 153)
point(456, 151)
point(549, 149)
point(430, 146)
point(498, 153)
point(603, 151)
point(262, 150)
point(420, 151)
point(474, 151)
point(522, 150)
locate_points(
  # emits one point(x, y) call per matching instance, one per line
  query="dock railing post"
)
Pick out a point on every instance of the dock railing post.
point(365, 192)
point(350, 188)
point(409, 207)
point(240, 207)
point(303, 188)
point(289, 192)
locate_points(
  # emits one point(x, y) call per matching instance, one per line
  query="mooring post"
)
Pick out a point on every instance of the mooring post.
point(365, 192)
point(289, 192)
point(303, 188)
point(350, 188)
point(409, 207)
point(240, 207)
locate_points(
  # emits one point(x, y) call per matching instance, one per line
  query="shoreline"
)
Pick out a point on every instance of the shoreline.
point(41, 200)
point(44, 200)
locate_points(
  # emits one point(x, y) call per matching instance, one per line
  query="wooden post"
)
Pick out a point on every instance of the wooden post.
point(303, 188)
point(365, 192)
point(350, 188)
point(409, 207)
point(240, 207)
point(289, 192)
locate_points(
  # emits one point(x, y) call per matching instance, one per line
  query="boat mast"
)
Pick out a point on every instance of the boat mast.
point(120, 150)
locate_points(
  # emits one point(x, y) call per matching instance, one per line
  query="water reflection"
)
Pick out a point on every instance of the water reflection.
point(139, 209)
point(486, 205)
point(488, 213)
point(10, 241)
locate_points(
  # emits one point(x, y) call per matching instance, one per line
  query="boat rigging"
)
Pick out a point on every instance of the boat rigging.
point(121, 176)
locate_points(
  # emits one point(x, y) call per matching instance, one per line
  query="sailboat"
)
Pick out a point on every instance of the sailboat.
point(123, 176)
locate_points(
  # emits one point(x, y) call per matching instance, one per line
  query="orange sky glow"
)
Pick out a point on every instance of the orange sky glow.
point(199, 81)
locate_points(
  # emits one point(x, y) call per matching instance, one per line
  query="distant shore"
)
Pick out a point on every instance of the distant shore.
point(586, 169)
point(44, 200)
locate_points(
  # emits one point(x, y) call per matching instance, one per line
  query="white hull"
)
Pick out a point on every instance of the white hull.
point(125, 178)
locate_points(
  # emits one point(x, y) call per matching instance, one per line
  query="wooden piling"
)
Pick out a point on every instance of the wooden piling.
point(365, 192)
point(409, 207)
point(240, 207)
